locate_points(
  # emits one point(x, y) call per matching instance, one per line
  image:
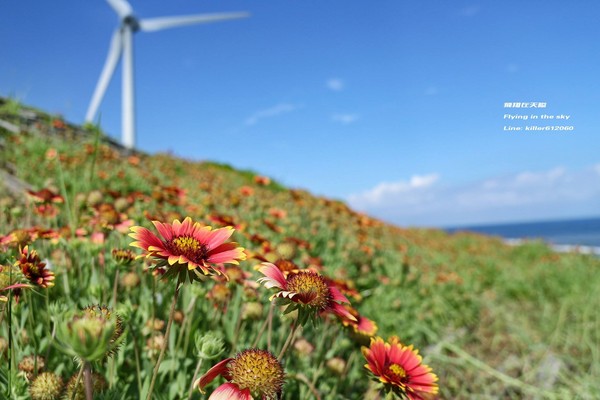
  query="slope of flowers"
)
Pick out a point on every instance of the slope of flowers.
point(333, 282)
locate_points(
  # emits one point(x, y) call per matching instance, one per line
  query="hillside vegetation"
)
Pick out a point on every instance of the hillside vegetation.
point(492, 321)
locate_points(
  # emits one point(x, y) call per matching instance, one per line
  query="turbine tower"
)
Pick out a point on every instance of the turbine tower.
point(122, 45)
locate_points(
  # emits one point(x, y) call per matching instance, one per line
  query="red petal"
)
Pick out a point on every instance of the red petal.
point(341, 311)
point(201, 233)
point(177, 227)
point(218, 369)
point(274, 276)
point(219, 236)
point(165, 230)
point(187, 227)
point(226, 253)
point(366, 326)
point(230, 391)
point(378, 357)
point(144, 238)
point(336, 295)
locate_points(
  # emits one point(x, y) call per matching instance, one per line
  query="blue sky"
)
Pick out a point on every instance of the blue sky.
point(396, 108)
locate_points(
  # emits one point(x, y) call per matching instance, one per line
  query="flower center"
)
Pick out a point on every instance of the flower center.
point(397, 372)
point(258, 371)
point(189, 247)
point(32, 269)
point(311, 288)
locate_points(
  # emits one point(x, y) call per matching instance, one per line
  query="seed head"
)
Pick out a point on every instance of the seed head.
point(259, 371)
point(46, 386)
point(32, 365)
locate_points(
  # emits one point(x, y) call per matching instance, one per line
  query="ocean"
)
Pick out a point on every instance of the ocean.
point(563, 234)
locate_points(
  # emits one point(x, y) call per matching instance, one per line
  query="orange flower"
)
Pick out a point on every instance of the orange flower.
point(246, 191)
point(306, 290)
point(262, 180)
point(45, 196)
point(188, 245)
point(34, 269)
point(400, 369)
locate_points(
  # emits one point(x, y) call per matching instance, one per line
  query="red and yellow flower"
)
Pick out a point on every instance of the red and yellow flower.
point(400, 369)
point(188, 246)
point(361, 326)
point(305, 290)
point(34, 269)
point(250, 374)
point(45, 200)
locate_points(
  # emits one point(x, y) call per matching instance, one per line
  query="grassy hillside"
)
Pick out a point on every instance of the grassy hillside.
point(492, 321)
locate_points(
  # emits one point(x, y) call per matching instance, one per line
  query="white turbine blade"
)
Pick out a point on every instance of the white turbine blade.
point(128, 99)
point(155, 24)
point(114, 53)
point(122, 7)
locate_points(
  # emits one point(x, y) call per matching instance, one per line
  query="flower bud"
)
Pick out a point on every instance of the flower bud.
point(95, 197)
point(303, 347)
point(209, 346)
point(336, 365)
point(91, 334)
point(130, 280)
point(252, 310)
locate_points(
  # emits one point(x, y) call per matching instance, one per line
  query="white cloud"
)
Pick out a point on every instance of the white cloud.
point(335, 84)
point(426, 200)
point(384, 191)
point(270, 112)
point(344, 118)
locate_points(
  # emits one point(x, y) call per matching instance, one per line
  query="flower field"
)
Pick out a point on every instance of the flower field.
point(134, 276)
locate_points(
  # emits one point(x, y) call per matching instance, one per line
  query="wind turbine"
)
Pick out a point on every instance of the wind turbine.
point(122, 45)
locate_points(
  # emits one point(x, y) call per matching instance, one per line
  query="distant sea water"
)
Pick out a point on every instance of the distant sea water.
point(563, 235)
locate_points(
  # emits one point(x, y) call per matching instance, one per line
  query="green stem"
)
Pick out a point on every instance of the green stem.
point(87, 379)
point(166, 342)
point(52, 336)
point(180, 337)
point(137, 360)
point(270, 331)
point(263, 327)
point(74, 394)
point(289, 339)
point(238, 325)
point(30, 321)
point(10, 338)
point(115, 288)
point(185, 326)
point(189, 317)
point(322, 351)
point(191, 392)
